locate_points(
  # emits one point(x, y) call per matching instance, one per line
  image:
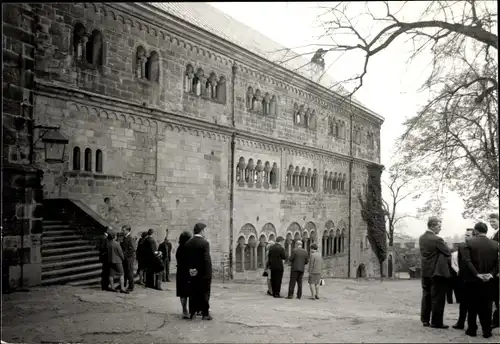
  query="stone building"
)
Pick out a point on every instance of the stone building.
point(176, 113)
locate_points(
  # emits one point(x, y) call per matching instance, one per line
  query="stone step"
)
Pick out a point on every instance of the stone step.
point(56, 227)
point(88, 275)
point(63, 257)
point(46, 266)
point(59, 251)
point(66, 243)
point(93, 282)
point(71, 270)
point(49, 233)
point(54, 222)
point(58, 238)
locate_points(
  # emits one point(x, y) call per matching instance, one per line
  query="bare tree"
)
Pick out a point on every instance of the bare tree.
point(398, 189)
point(454, 138)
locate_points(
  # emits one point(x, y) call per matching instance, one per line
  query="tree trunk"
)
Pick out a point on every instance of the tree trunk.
point(381, 271)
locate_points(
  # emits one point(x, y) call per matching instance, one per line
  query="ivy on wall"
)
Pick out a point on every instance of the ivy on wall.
point(372, 213)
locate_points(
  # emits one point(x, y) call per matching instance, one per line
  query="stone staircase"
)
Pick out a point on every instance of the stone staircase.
point(67, 257)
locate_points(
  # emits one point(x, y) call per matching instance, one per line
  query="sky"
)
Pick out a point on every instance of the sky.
point(391, 87)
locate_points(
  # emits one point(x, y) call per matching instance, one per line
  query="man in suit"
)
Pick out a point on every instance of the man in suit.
point(435, 272)
point(276, 256)
point(299, 258)
point(150, 249)
point(102, 246)
point(200, 269)
point(493, 219)
point(481, 265)
point(166, 251)
point(129, 257)
point(458, 265)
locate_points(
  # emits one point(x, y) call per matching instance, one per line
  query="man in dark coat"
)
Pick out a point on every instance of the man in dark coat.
point(435, 272)
point(102, 246)
point(481, 266)
point(275, 259)
point(150, 249)
point(141, 269)
point(200, 269)
point(299, 258)
point(129, 257)
point(460, 283)
point(495, 322)
point(166, 251)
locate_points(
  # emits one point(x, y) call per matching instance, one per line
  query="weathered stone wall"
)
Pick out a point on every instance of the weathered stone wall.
point(164, 151)
point(21, 193)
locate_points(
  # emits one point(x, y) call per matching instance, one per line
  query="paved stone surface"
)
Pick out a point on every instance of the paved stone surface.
point(349, 311)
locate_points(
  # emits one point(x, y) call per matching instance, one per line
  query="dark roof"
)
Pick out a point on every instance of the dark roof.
point(220, 24)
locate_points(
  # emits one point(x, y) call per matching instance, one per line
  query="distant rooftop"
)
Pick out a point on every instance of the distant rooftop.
point(220, 24)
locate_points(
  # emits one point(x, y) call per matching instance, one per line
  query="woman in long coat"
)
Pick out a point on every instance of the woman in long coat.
point(182, 277)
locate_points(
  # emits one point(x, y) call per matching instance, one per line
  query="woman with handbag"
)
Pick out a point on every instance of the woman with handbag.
point(267, 272)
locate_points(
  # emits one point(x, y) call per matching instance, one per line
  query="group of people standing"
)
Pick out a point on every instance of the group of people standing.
point(194, 266)
point(472, 271)
point(118, 259)
point(276, 256)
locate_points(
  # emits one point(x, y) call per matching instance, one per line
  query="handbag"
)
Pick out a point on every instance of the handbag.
point(265, 273)
point(321, 282)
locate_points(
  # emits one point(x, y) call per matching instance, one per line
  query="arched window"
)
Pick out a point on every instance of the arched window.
point(296, 175)
point(76, 159)
point(98, 161)
point(331, 244)
point(257, 101)
point(211, 86)
point(308, 179)
point(274, 175)
point(324, 244)
point(249, 172)
point(261, 252)
point(325, 182)
point(342, 241)
point(188, 78)
point(302, 179)
point(95, 49)
point(315, 180)
point(79, 42)
point(198, 80)
point(240, 254)
point(153, 67)
point(88, 160)
point(249, 98)
point(220, 90)
point(140, 63)
point(289, 177)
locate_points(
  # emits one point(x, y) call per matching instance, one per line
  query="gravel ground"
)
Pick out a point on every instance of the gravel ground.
point(348, 311)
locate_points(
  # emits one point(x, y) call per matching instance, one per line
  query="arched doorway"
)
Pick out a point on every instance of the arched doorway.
point(389, 266)
point(361, 271)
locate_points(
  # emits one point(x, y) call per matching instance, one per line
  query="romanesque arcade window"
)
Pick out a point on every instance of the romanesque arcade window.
point(207, 87)
point(334, 183)
point(304, 117)
point(259, 175)
point(301, 179)
point(251, 254)
point(88, 49)
point(263, 104)
point(76, 159)
point(336, 128)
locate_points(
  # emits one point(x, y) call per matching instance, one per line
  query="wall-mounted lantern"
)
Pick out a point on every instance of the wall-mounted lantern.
point(55, 143)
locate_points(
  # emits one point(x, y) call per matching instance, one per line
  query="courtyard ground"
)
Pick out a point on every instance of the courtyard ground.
point(349, 311)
